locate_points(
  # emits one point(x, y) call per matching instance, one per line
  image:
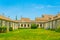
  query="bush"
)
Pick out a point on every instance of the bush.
point(57, 29)
point(0, 29)
point(34, 26)
point(3, 29)
point(10, 29)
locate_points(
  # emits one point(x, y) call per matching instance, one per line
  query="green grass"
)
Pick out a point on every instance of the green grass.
point(30, 34)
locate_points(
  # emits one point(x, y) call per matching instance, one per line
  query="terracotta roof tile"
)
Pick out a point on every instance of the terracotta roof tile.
point(4, 18)
point(25, 20)
point(40, 19)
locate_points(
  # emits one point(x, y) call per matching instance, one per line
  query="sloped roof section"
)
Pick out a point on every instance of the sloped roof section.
point(57, 16)
point(40, 19)
point(48, 17)
point(25, 20)
point(5, 18)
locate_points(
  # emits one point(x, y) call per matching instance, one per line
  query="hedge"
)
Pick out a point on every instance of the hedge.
point(34, 26)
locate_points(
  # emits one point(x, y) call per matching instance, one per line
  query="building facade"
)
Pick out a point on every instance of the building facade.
point(46, 21)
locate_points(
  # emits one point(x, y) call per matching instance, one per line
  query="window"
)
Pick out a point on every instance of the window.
point(21, 25)
point(40, 25)
point(28, 25)
point(24, 25)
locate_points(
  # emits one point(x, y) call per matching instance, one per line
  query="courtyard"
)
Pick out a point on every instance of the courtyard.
point(30, 34)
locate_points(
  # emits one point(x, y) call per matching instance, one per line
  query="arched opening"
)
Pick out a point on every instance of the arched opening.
point(41, 25)
point(21, 25)
point(24, 25)
point(28, 25)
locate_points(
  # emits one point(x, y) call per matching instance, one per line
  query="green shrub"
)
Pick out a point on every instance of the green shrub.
point(34, 26)
point(0, 29)
point(57, 29)
point(3, 29)
point(10, 29)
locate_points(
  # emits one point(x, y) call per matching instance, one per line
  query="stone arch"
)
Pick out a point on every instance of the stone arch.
point(21, 25)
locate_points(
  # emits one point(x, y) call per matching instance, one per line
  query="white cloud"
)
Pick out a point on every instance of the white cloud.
point(39, 7)
point(44, 6)
point(52, 6)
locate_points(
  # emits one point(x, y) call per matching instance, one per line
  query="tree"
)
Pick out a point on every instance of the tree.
point(16, 17)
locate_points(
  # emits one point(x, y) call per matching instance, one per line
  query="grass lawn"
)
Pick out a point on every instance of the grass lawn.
point(30, 34)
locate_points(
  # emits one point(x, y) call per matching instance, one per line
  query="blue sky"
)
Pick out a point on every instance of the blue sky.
point(29, 8)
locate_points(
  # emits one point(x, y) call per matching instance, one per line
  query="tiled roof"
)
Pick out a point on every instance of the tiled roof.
point(44, 18)
point(4, 18)
point(40, 19)
point(16, 20)
point(57, 16)
point(48, 17)
point(25, 20)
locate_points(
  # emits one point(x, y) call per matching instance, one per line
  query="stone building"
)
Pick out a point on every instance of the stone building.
point(46, 21)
